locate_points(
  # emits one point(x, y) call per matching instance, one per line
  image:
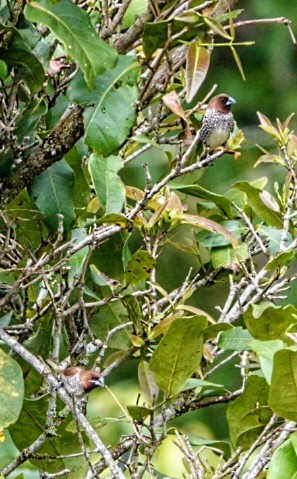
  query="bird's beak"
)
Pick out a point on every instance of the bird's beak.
point(230, 101)
point(98, 382)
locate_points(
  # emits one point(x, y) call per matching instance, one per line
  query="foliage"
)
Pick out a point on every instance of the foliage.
point(87, 90)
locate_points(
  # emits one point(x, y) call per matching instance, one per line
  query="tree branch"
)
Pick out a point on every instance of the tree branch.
point(52, 149)
point(44, 371)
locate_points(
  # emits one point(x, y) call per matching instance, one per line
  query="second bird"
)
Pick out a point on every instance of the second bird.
point(218, 122)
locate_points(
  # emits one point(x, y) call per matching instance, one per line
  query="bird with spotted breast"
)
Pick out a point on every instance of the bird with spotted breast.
point(217, 123)
point(79, 381)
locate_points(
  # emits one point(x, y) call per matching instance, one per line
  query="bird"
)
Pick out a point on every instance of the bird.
point(79, 381)
point(218, 122)
point(57, 65)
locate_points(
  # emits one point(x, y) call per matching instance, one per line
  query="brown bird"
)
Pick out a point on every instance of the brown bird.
point(56, 65)
point(79, 381)
point(218, 122)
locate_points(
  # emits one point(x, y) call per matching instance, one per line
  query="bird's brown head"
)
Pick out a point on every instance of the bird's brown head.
point(82, 380)
point(91, 379)
point(221, 103)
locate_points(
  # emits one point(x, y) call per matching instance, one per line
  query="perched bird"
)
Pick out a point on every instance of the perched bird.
point(218, 122)
point(56, 65)
point(79, 381)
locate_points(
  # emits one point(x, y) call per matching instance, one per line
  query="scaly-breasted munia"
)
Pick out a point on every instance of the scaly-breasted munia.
point(79, 381)
point(218, 122)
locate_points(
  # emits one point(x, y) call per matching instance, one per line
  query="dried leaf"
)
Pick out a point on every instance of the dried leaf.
point(173, 103)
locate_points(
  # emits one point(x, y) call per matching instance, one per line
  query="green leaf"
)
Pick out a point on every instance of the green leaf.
point(6, 161)
point(274, 236)
point(31, 70)
point(163, 326)
point(19, 55)
point(271, 217)
point(138, 413)
point(30, 117)
point(3, 70)
point(238, 62)
point(76, 261)
point(216, 27)
point(281, 260)
point(266, 351)
point(213, 330)
point(52, 194)
point(139, 267)
point(220, 201)
point(134, 312)
point(284, 460)
point(109, 317)
point(147, 382)
point(100, 279)
point(215, 240)
point(126, 72)
point(194, 383)
point(283, 389)
point(81, 187)
point(108, 185)
point(267, 322)
point(224, 446)
point(6, 318)
point(154, 36)
point(30, 228)
point(197, 65)
point(209, 225)
point(11, 391)
point(108, 124)
point(248, 415)
point(53, 116)
point(136, 8)
point(62, 442)
point(227, 256)
point(73, 27)
point(266, 125)
point(179, 353)
point(108, 258)
point(115, 219)
point(235, 339)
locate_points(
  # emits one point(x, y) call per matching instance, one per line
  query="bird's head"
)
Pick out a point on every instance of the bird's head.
point(221, 103)
point(84, 380)
point(94, 380)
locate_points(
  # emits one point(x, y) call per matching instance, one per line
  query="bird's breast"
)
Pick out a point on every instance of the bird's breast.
point(218, 137)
